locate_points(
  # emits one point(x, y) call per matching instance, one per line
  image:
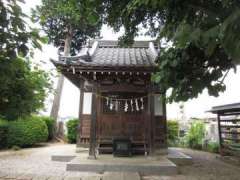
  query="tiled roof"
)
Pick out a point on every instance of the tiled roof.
point(110, 43)
point(109, 54)
point(122, 57)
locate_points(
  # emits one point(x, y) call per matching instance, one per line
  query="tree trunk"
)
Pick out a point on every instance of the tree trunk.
point(58, 91)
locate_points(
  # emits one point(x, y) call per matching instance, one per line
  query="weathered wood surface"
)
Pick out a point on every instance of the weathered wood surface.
point(93, 127)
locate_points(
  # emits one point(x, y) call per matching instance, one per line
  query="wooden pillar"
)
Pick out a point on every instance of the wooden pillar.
point(165, 118)
point(93, 127)
point(81, 91)
point(219, 133)
point(151, 119)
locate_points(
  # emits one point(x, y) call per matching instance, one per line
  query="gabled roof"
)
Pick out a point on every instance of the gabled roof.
point(107, 54)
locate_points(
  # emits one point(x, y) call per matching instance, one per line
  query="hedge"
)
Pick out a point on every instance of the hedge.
point(72, 127)
point(27, 132)
point(50, 125)
point(3, 133)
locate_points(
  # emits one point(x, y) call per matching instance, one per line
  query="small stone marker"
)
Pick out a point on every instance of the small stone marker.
point(121, 176)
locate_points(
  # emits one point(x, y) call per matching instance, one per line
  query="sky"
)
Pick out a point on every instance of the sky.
point(70, 97)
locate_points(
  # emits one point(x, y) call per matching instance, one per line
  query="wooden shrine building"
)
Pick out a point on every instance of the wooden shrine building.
point(118, 100)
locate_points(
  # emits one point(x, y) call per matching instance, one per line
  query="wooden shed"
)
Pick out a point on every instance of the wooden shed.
point(125, 103)
point(228, 128)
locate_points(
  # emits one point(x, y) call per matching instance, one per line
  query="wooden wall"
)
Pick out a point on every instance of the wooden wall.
point(132, 125)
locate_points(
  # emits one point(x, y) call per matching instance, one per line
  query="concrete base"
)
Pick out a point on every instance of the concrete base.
point(107, 163)
point(178, 157)
point(82, 145)
point(81, 149)
point(145, 165)
point(162, 151)
point(62, 158)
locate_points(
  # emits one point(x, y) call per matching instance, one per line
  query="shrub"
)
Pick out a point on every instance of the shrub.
point(50, 124)
point(195, 135)
point(16, 148)
point(27, 132)
point(3, 133)
point(213, 147)
point(172, 130)
point(72, 127)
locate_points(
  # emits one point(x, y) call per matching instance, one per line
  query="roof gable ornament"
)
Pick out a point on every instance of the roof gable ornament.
point(153, 50)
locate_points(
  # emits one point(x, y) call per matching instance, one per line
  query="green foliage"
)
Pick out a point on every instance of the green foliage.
point(186, 72)
point(72, 128)
point(213, 147)
point(195, 136)
point(50, 124)
point(22, 90)
point(23, 86)
point(172, 132)
point(15, 35)
point(16, 148)
point(76, 19)
point(3, 133)
point(202, 38)
point(27, 132)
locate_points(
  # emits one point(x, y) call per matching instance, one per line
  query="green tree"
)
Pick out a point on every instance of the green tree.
point(69, 23)
point(195, 135)
point(203, 40)
point(172, 132)
point(23, 86)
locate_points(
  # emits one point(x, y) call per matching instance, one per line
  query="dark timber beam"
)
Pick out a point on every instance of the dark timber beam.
point(93, 127)
point(81, 91)
point(219, 133)
point(151, 119)
point(165, 117)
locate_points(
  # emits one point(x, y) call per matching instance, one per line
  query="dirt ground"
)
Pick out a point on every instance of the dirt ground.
point(206, 166)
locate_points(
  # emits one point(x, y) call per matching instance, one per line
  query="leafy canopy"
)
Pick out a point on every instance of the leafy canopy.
point(203, 36)
point(23, 86)
point(78, 19)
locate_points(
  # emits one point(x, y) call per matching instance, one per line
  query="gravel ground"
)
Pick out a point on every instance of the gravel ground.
point(35, 163)
point(206, 166)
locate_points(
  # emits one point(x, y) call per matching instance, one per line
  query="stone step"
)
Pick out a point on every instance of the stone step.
point(136, 164)
point(91, 178)
point(178, 157)
point(121, 176)
point(62, 158)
